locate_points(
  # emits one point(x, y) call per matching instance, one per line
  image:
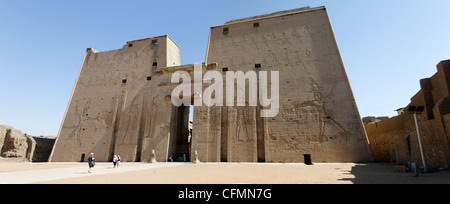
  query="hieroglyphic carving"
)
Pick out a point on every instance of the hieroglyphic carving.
point(131, 122)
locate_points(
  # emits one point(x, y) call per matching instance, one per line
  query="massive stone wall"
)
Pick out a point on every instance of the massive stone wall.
point(317, 116)
point(121, 103)
point(117, 106)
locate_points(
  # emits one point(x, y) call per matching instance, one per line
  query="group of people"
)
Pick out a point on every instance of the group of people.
point(185, 158)
point(91, 161)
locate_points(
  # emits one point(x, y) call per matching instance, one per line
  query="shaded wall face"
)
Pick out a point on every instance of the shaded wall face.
point(447, 125)
point(117, 106)
point(42, 149)
point(393, 140)
point(317, 112)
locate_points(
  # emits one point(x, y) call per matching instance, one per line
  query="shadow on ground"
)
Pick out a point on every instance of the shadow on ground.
point(376, 173)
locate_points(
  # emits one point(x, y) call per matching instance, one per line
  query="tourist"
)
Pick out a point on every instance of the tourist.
point(115, 160)
point(91, 162)
point(171, 158)
point(118, 160)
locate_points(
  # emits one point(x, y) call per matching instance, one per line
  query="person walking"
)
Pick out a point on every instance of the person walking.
point(115, 160)
point(118, 160)
point(91, 162)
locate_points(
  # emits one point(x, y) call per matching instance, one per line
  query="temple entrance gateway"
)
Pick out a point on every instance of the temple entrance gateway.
point(179, 143)
point(271, 88)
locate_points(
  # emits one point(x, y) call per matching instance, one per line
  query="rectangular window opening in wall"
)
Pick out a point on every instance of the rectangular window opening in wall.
point(225, 31)
point(225, 69)
point(256, 25)
point(130, 45)
point(149, 78)
point(124, 81)
point(154, 42)
point(257, 66)
point(155, 64)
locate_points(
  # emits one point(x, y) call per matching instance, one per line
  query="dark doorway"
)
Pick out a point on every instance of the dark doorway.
point(307, 159)
point(179, 134)
point(82, 157)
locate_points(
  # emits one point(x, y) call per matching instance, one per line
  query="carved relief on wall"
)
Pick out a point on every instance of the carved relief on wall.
point(308, 120)
point(83, 119)
point(243, 131)
point(77, 132)
point(131, 122)
point(152, 119)
point(277, 48)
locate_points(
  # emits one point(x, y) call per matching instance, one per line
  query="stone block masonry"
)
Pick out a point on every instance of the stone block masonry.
point(121, 102)
point(395, 140)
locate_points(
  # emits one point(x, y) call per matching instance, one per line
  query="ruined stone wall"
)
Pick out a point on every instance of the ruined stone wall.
point(15, 144)
point(3, 129)
point(317, 115)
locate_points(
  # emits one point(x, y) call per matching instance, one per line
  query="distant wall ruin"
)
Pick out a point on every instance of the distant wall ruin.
point(15, 144)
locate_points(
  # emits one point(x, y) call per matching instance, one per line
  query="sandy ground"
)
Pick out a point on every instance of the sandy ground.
point(19, 165)
point(217, 173)
point(211, 173)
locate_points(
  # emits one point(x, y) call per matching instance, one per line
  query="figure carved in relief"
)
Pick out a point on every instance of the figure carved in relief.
point(154, 116)
point(307, 31)
point(242, 116)
point(78, 131)
point(241, 132)
point(132, 121)
point(319, 103)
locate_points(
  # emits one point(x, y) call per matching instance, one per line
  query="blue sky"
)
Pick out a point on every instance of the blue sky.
point(386, 46)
